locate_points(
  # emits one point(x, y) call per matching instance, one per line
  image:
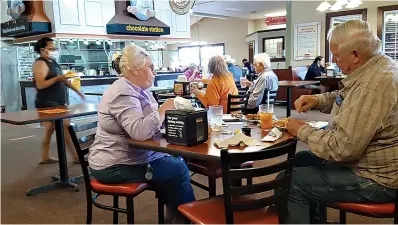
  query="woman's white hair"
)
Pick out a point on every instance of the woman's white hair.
point(355, 34)
point(264, 59)
point(217, 66)
point(133, 58)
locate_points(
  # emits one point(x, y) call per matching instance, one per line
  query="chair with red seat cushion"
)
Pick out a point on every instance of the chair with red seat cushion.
point(244, 204)
point(379, 210)
point(129, 191)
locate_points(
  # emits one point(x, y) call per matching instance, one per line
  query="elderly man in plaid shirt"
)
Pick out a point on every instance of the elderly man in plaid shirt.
point(356, 160)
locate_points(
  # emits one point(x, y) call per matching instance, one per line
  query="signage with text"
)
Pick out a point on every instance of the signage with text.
point(276, 20)
point(137, 29)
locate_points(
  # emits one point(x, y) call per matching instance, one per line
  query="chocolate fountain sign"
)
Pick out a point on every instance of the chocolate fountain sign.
point(181, 7)
point(136, 17)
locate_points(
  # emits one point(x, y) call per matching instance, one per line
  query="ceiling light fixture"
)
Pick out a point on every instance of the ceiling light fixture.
point(98, 42)
point(86, 42)
point(283, 13)
point(146, 43)
point(323, 6)
point(71, 40)
point(132, 43)
point(109, 42)
point(336, 7)
point(232, 9)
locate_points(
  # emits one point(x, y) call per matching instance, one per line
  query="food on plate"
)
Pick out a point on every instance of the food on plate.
point(237, 115)
point(252, 117)
point(281, 123)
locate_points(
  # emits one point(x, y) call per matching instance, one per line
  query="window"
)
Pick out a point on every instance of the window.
point(389, 35)
point(199, 54)
point(274, 48)
point(334, 18)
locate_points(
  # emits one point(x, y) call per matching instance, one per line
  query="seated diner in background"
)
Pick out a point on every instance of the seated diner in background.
point(129, 111)
point(317, 68)
point(192, 73)
point(266, 81)
point(221, 84)
point(355, 160)
point(234, 69)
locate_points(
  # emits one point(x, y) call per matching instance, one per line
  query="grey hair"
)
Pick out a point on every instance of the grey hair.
point(217, 66)
point(192, 66)
point(264, 59)
point(355, 34)
point(133, 58)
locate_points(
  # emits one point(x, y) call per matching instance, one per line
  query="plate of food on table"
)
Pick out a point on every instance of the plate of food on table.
point(251, 118)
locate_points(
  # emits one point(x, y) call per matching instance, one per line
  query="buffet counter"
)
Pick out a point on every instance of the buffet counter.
point(93, 84)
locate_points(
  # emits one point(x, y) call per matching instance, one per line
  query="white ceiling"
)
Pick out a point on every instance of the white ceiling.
point(240, 9)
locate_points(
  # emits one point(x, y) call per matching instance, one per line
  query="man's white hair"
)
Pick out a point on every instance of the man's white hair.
point(355, 34)
point(264, 59)
point(133, 58)
point(192, 66)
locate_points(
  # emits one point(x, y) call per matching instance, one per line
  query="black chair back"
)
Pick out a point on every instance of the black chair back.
point(282, 182)
point(269, 95)
point(82, 145)
point(236, 103)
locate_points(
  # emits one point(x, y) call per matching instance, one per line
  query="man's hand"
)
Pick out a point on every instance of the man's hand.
point(294, 125)
point(305, 103)
point(246, 83)
point(194, 90)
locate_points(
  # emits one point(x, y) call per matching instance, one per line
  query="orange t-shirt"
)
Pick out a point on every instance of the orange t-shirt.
point(217, 91)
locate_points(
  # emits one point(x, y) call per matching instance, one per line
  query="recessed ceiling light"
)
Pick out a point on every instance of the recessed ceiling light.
point(232, 9)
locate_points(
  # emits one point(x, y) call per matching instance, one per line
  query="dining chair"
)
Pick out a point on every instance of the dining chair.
point(236, 103)
point(93, 186)
point(380, 210)
point(245, 204)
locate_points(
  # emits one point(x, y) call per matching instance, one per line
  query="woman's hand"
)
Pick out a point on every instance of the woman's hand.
point(194, 90)
point(167, 105)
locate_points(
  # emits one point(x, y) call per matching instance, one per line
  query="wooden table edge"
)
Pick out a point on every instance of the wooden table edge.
point(43, 120)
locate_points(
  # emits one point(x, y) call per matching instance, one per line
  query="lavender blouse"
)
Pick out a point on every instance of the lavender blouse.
point(125, 111)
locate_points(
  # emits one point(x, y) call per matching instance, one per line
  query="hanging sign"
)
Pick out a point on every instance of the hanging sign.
point(275, 20)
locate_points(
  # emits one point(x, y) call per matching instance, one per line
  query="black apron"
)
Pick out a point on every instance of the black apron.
point(54, 95)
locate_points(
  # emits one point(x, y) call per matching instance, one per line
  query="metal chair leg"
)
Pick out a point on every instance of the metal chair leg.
point(130, 209)
point(160, 212)
point(89, 215)
point(115, 213)
point(343, 218)
point(212, 187)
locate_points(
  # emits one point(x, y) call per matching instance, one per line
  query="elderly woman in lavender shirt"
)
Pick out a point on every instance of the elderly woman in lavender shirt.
point(128, 110)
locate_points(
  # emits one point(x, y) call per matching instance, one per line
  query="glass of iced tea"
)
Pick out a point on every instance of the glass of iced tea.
point(266, 112)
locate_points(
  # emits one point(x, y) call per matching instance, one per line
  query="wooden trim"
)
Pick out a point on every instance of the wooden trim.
point(263, 31)
point(380, 18)
point(364, 13)
point(283, 48)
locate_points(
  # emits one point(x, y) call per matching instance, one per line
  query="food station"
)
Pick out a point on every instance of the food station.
point(88, 46)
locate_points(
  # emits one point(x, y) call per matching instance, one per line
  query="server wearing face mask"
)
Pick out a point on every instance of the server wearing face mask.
point(51, 92)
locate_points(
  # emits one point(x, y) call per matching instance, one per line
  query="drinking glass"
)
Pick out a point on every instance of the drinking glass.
point(215, 117)
point(242, 78)
point(266, 112)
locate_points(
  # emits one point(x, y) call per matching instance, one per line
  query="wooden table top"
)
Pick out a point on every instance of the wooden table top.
point(153, 89)
point(34, 116)
point(172, 95)
point(326, 77)
point(208, 150)
point(298, 83)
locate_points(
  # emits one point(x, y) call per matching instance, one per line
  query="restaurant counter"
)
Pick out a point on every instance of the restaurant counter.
point(93, 84)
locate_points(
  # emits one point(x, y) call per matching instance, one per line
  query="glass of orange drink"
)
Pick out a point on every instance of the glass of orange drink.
point(266, 112)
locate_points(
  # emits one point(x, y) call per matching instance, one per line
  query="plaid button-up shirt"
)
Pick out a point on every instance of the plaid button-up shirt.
point(364, 131)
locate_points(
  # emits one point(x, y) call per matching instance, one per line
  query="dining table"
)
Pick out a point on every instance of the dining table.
point(208, 150)
point(289, 84)
point(331, 82)
point(56, 115)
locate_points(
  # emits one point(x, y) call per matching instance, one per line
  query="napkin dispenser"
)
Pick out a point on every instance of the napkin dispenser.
point(186, 127)
point(182, 88)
